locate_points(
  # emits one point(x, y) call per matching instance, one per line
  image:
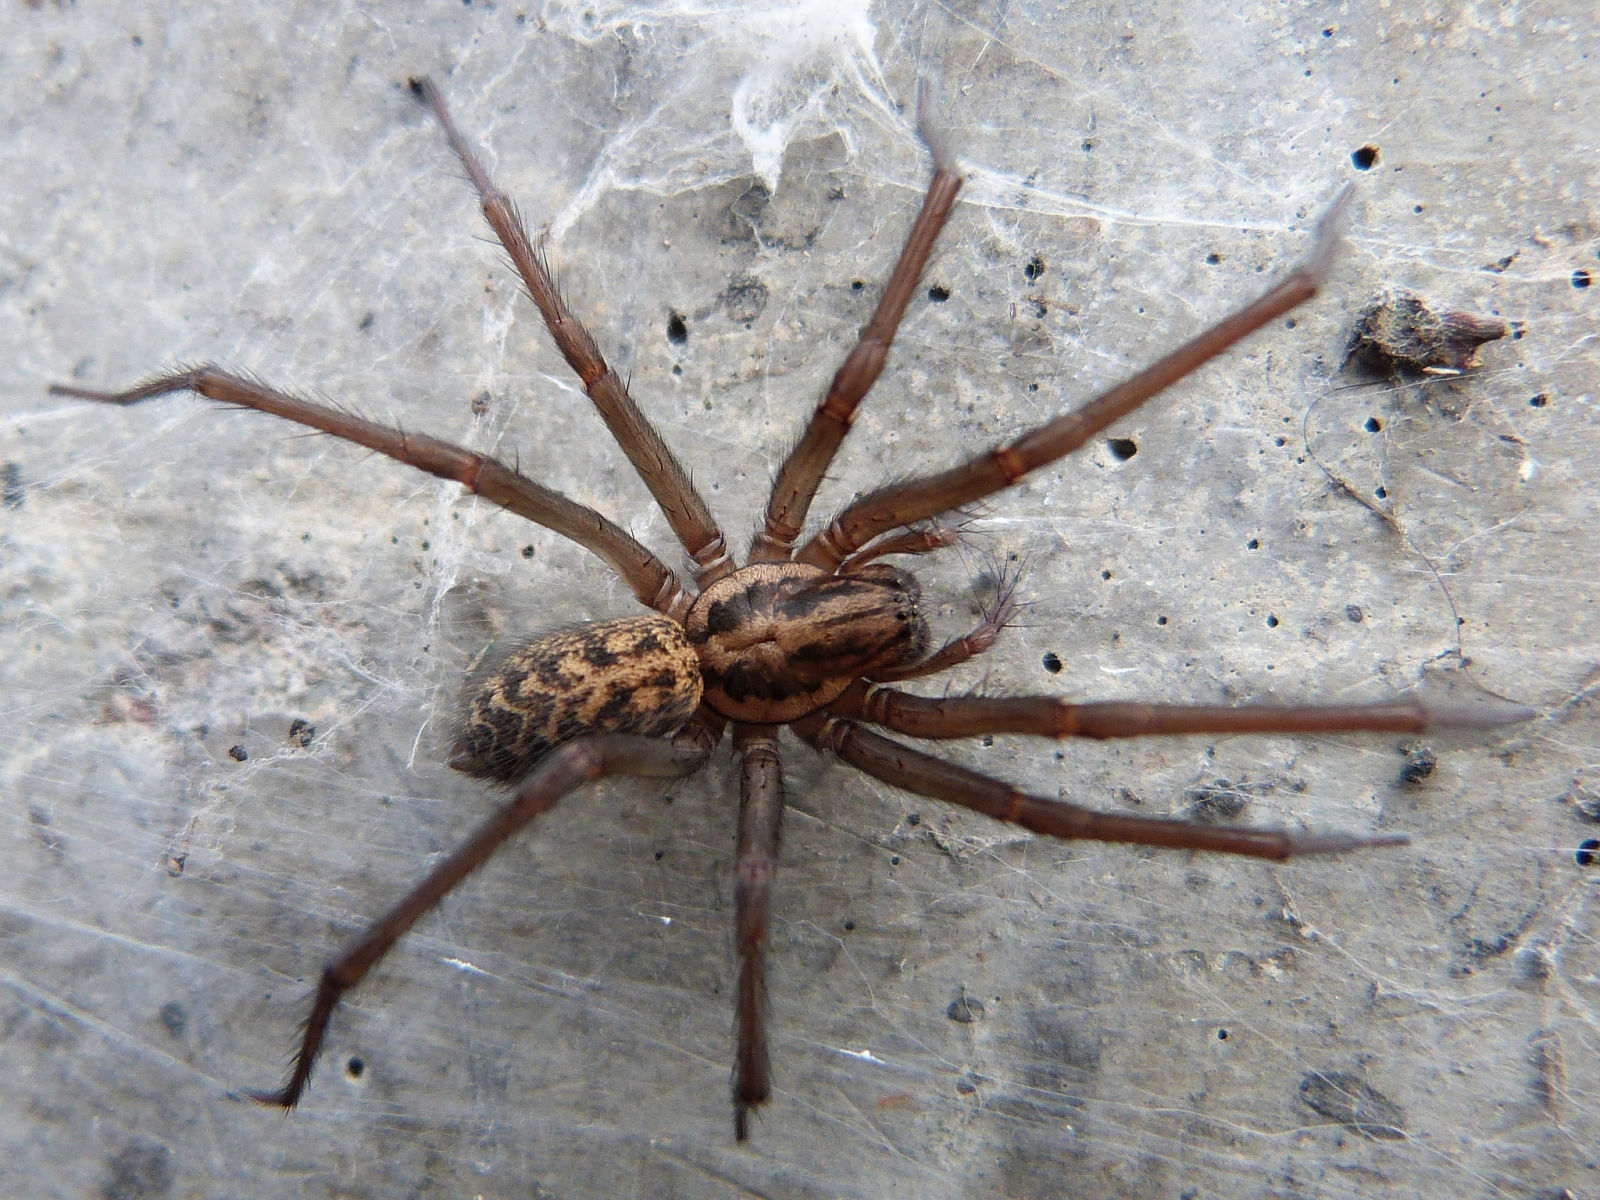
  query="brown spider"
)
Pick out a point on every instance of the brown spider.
point(808, 638)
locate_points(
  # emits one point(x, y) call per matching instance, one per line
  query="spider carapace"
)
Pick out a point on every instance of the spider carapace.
point(805, 634)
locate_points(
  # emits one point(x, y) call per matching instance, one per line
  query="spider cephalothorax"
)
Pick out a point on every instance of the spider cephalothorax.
point(780, 640)
point(807, 635)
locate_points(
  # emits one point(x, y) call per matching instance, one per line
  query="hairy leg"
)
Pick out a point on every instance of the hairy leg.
point(583, 760)
point(801, 473)
point(685, 510)
point(650, 580)
point(760, 819)
point(903, 767)
point(1047, 716)
point(918, 499)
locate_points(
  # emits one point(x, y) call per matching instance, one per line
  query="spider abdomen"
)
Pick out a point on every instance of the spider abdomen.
point(779, 640)
point(635, 675)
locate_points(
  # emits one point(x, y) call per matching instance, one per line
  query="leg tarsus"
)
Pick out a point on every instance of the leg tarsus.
point(182, 379)
point(1332, 842)
point(329, 989)
point(931, 137)
point(1329, 229)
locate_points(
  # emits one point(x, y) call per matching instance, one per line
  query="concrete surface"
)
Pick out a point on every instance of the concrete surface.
point(250, 184)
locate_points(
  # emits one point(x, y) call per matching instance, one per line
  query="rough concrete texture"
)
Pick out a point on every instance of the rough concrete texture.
point(959, 1010)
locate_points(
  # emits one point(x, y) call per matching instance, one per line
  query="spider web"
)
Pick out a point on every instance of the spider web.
point(958, 1010)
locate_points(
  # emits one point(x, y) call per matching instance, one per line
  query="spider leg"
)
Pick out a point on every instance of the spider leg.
point(903, 767)
point(760, 818)
point(652, 582)
point(801, 473)
point(583, 760)
point(1047, 716)
point(918, 499)
point(685, 510)
point(907, 541)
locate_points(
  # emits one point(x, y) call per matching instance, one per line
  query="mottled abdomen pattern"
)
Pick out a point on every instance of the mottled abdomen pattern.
point(636, 675)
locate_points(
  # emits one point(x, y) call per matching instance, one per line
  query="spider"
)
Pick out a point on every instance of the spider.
point(805, 634)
